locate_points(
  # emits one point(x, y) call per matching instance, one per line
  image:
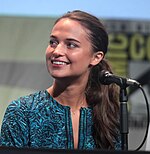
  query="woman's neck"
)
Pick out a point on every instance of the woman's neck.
point(69, 95)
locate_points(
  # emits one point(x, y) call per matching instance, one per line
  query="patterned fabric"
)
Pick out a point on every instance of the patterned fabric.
point(39, 121)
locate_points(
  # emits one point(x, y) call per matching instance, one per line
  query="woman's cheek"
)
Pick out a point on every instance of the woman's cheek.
point(48, 51)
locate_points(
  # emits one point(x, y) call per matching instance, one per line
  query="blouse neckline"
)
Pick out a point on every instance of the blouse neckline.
point(61, 105)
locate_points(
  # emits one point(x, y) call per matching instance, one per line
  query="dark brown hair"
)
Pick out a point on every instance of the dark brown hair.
point(103, 98)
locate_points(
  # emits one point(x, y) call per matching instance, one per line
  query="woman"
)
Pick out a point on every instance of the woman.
point(77, 111)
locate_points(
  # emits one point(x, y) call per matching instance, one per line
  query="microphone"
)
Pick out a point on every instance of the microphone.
point(107, 78)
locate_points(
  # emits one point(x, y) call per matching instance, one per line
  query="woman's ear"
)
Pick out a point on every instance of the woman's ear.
point(97, 57)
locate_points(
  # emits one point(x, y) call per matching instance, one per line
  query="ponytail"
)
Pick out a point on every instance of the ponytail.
point(104, 100)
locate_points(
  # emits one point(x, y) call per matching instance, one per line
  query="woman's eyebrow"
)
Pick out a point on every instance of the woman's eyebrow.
point(72, 39)
point(68, 39)
point(52, 36)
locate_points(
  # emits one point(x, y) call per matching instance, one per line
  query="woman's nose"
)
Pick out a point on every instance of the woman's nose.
point(59, 49)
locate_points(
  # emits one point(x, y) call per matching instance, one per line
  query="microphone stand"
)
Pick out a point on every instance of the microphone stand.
point(107, 78)
point(124, 130)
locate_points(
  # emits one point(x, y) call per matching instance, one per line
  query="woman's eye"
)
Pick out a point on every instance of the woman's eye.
point(53, 43)
point(72, 45)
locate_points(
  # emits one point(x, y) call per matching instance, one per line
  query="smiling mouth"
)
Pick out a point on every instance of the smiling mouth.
point(59, 62)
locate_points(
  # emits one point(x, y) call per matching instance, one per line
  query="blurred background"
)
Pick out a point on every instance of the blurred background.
point(25, 27)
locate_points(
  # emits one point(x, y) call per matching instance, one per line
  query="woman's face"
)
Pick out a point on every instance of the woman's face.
point(69, 53)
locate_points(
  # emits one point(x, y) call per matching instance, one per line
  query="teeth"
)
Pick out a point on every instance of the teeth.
point(59, 63)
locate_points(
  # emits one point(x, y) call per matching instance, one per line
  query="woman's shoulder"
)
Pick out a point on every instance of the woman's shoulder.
point(30, 101)
point(34, 97)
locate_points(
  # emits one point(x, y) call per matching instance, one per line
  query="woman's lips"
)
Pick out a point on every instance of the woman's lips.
point(59, 62)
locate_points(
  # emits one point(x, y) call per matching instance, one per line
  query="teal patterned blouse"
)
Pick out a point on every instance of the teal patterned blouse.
point(39, 121)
